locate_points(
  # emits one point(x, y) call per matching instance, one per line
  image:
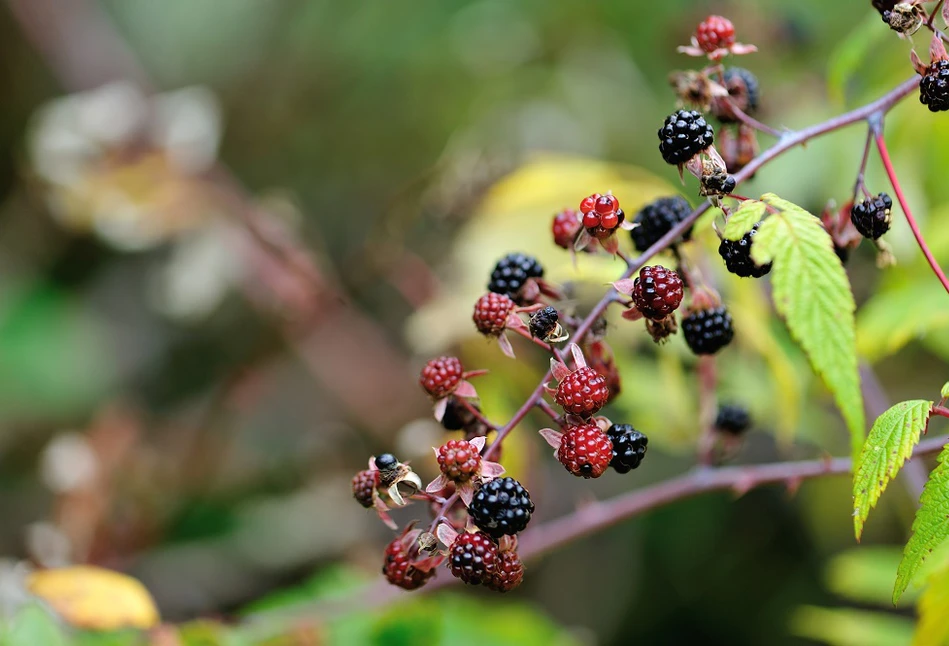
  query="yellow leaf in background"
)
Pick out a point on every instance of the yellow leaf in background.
point(95, 598)
point(932, 628)
point(515, 215)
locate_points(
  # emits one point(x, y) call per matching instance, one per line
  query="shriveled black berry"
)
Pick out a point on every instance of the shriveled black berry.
point(871, 217)
point(543, 322)
point(629, 447)
point(934, 87)
point(732, 419)
point(385, 461)
point(737, 256)
point(718, 184)
point(657, 218)
point(501, 506)
point(743, 89)
point(511, 272)
point(684, 134)
point(708, 331)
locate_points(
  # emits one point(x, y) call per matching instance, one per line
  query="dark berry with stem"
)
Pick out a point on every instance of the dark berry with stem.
point(732, 419)
point(707, 331)
point(511, 273)
point(657, 218)
point(657, 292)
point(501, 507)
point(737, 256)
point(871, 217)
point(683, 135)
point(629, 447)
point(934, 87)
point(473, 558)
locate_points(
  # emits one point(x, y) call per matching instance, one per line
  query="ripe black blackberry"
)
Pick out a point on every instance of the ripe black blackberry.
point(732, 419)
point(511, 272)
point(871, 217)
point(684, 134)
point(934, 87)
point(629, 447)
point(737, 256)
point(473, 558)
point(709, 330)
point(364, 486)
point(543, 322)
point(501, 506)
point(657, 218)
point(744, 91)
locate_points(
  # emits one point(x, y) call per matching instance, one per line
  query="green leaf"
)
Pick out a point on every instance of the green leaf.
point(864, 574)
point(933, 607)
point(33, 626)
point(944, 393)
point(930, 528)
point(811, 292)
point(847, 627)
point(894, 317)
point(891, 441)
point(850, 54)
point(746, 216)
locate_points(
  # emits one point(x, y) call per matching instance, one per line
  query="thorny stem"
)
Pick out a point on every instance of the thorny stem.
point(750, 121)
point(891, 173)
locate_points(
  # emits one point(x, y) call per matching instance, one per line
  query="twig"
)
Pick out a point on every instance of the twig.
point(941, 411)
point(549, 411)
point(477, 413)
point(891, 173)
point(861, 172)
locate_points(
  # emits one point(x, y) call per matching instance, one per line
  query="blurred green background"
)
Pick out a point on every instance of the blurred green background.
point(231, 231)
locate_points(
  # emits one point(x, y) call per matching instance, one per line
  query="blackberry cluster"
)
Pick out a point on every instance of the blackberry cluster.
point(491, 312)
point(744, 90)
point(473, 558)
point(733, 420)
point(364, 484)
point(629, 447)
point(872, 217)
point(582, 392)
point(684, 134)
point(441, 376)
point(399, 570)
point(657, 292)
point(657, 218)
point(708, 331)
point(501, 506)
point(737, 256)
point(509, 572)
point(934, 87)
point(585, 451)
point(511, 272)
point(544, 321)
point(457, 417)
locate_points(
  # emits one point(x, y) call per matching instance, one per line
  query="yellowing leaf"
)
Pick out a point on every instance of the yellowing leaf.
point(95, 598)
point(891, 441)
point(812, 294)
point(930, 527)
point(933, 608)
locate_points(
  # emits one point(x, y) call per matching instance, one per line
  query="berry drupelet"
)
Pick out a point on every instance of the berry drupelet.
point(398, 568)
point(441, 376)
point(582, 392)
point(657, 218)
point(629, 447)
point(511, 272)
point(565, 227)
point(714, 33)
point(501, 507)
point(473, 558)
point(871, 217)
point(657, 292)
point(544, 321)
point(934, 87)
point(491, 313)
point(684, 134)
point(707, 331)
point(458, 460)
point(732, 419)
point(585, 451)
point(364, 485)
point(737, 256)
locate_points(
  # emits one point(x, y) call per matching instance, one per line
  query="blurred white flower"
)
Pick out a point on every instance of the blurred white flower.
point(48, 545)
point(68, 463)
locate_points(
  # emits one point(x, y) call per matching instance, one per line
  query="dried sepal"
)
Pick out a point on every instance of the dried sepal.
point(465, 389)
point(559, 370)
point(439, 408)
point(624, 285)
point(382, 510)
point(552, 437)
point(578, 357)
point(446, 534)
point(505, 344)
point(937, 49)
point(632, 314)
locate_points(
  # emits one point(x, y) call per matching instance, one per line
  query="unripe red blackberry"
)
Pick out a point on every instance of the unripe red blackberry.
point(565, 227)
point(737, 256)
point(441, 376)
point(398, 568)
point(707, 331)
point(364, 484)
point(491, 312)
point(473, 558)
point(600, 360)
point(871, 217)
point(934, 87)
point(733, 420)
point(601, 215)
point(684, 134)
point(509, 572)
point(657, 218)
point(501, 507)
point(544, 321)
point(459, 460)
point(582, 392)
point(511, 272)
point(629, 447)
point(657, 292)
point(715, 32)
point(585, 451)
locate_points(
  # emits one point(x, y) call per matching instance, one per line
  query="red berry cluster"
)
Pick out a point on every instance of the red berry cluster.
point(601, 215)
point(458, 460)
point(714, 33)
point(585, 451)
point(582, 392)
point(565, 227)
point(491, 313)
point(399, 568)
point(441, 376)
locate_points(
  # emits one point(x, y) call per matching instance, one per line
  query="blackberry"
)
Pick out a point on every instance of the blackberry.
point(585, 451)
point(737, 256)
point(733, 420)
point(565, 226)
point(473, 558)
point(491, 312)
point(708, 331)
point(441, 376)
point(501, 506)
point(582, 392)
point(543, 322)
point(629, 447)
point(364, 485)
point(715, 32)
point(398, 566)
point(871, 217)
point(744, 91)
point(457, 416)
point(657, 292)
point(511, 272)
point(934, 87)
point(509, 572)
point(684, 134)
point(657, 218)
point(458, 460)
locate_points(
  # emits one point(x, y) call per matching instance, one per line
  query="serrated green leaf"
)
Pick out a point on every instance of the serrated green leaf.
point(930, 527)
point(812, 293)
point(933, 607)
point(741, 220)
point(891, 441)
